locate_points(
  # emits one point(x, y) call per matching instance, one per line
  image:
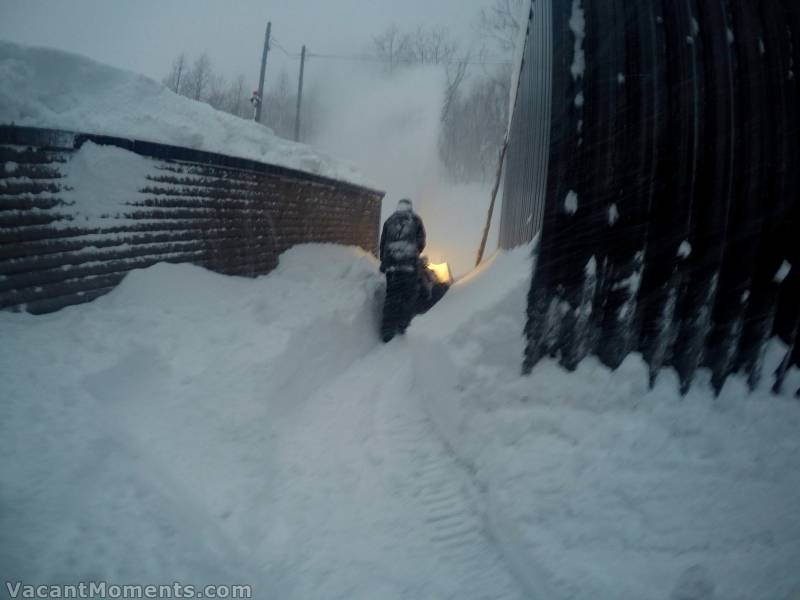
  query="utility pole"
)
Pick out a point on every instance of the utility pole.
point(299, 96)
point(495, 188)
point(263, 70)
point(182, 60)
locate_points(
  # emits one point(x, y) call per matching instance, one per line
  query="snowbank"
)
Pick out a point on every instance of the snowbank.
point(42, 87)
point(132, 427)
point(597, 487)
point(207, 429)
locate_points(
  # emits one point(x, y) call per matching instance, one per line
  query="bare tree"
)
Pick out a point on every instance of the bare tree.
point(279, 106)
point(392, 46)
point(175, 78)
point(424, 46)
point(217, 94)
point(502, 22)
point(470, 133)
point(198, 78)
point(236, 101)
point(474, 120)
point(474, 129)
point(431, 46)
point(312, 111)
point(200, 82)
point(456, 73)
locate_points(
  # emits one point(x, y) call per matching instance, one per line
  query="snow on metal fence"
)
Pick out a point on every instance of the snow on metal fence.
point(230, 215)
point(654, 147)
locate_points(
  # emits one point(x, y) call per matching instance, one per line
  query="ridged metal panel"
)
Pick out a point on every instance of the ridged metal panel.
point(787, 318)
point(716, 171)
point(229, 215)
point(681, 165)
point(677, 177)
point(641, 139)
point(781, 170)
point(749, 207)
point(547, 288)
point(525, 181)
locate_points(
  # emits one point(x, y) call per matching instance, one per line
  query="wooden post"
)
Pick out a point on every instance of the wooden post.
point(496, 187)
point(299, 95)
point(263, 71)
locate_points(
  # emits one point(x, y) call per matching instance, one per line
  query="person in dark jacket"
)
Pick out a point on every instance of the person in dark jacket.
point(402, 242)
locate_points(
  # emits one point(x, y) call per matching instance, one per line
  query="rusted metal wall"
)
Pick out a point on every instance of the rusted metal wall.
point(230, 215)
point(662, 179)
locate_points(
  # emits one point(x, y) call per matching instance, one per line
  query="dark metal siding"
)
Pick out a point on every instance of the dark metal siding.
point(229, 215)
point(525, 178)
point(683, 157)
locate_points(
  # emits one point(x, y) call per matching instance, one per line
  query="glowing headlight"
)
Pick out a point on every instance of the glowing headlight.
point(442, 272)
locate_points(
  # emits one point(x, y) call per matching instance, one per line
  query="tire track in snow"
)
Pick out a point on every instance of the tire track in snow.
point(365, 445)
point(441, 489)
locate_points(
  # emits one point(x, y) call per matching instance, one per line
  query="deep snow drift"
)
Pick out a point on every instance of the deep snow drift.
point(42, 87)
point(206, 429)
point(597, 487)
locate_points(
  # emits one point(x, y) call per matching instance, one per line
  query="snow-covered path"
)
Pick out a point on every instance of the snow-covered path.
point(201, 429)
point(393, 494)
point(278, 445)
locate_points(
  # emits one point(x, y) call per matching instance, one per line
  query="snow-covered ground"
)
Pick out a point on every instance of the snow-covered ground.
point(595, 486)
point(206, 429)
point(43, 87)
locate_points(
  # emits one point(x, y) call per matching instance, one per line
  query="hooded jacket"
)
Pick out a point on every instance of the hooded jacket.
point(402, 240)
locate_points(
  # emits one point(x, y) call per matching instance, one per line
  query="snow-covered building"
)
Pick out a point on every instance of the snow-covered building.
point(654, 150)
point(103, 171)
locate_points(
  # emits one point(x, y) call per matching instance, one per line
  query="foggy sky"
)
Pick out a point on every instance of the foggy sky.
point(145, 35)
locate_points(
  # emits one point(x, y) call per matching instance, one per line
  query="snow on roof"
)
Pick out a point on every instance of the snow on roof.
point(43, 87)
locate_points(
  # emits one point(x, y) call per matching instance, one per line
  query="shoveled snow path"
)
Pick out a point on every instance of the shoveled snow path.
point(366, 442)
point(196, 428)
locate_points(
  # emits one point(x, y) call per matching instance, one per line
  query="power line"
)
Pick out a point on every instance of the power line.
point(371, 58)
point(378, 59)
point(277, 44)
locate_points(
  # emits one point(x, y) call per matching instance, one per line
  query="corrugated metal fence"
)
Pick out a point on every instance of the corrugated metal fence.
point(655, 148)
point(230, 215)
